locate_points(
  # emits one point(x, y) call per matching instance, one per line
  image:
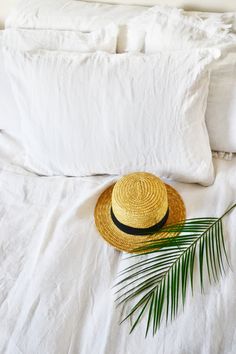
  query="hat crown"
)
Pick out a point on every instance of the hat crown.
point(139, 200)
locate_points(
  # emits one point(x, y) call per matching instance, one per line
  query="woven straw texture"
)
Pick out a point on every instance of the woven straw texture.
point(128, 243)
point(139, 200)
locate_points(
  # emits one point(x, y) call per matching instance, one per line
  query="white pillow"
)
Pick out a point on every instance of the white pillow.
point(9, 115)
point(160, 25)
point(176, 31)
point(136, 27)
point(221, 106)
point(72, 15)
point(100, 113)
point(20, 39)
point(173, 30)
point(104, 39)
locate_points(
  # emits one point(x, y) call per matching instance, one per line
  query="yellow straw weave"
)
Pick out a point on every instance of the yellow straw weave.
point(125, 198)
point(139, 200)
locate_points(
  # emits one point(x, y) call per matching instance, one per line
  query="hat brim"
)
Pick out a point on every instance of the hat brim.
point(129, 243)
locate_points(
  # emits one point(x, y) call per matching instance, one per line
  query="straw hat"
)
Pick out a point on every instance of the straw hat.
point(131, 211)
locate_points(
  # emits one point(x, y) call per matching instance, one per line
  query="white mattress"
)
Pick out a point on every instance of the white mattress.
point(56, 273)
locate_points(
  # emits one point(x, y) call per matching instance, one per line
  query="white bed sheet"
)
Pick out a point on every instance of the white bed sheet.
point(56, 272)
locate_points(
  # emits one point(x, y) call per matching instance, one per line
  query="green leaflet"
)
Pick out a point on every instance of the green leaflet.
point(156, 284)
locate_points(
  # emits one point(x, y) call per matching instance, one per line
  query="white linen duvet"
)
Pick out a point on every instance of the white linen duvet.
point(56, 272)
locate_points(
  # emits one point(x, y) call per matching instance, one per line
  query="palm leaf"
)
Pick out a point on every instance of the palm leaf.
point(158, 280)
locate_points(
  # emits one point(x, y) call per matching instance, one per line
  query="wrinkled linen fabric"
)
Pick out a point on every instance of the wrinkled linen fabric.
point(69, 14)
point(221, 105)
point(173, 30)
point(9, 115)
point(170, 29)
point(104, 39)
point(57, 273)
point(85, 16)
point(164, 27)
point(73, 15)
point(207, 29)
point(86, 114)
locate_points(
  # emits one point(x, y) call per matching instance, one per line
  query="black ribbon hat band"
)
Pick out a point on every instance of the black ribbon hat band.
point(136, 231)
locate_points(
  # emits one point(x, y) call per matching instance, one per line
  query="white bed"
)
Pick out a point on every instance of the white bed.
point(57, 273)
